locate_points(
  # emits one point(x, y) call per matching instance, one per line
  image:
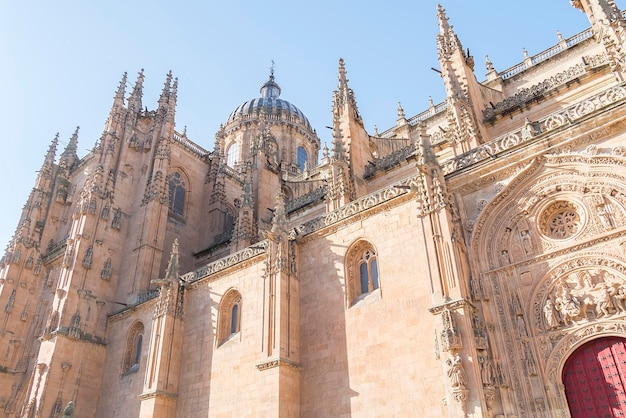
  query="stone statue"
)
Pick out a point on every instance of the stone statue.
point(568, 306)
point(603, 301)
point(618, 296)
point(68, 412)
point(457, 375)
point(526, 243)
point(487, 371)
point(550, 314)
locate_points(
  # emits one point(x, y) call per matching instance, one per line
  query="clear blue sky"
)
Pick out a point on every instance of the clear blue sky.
point(62, 62)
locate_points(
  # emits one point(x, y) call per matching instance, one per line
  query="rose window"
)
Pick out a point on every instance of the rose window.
point(561, 220)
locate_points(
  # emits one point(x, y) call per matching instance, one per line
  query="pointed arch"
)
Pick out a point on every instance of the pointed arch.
point(549, 205)
point(362, 274)
point(134, 347)
point(178, 191)
point(229, 316)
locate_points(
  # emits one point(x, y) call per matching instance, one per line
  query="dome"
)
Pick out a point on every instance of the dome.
point(271, 103)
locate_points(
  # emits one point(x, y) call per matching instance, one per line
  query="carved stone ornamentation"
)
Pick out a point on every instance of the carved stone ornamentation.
point(450, 336)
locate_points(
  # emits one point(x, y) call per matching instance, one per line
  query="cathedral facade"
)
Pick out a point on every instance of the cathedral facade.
point(468, 261)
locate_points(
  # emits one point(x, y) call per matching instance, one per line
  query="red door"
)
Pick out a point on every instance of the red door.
point(595, 377)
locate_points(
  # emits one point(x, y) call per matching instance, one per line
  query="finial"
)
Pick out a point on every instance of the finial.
point(174, 94)
point(488, 63)
point(122, 87)
point(52, 150)
point(342, 73)
point(430, 102)
point(168, 83)
point(375, 130)
point(134, 100)
point(171, 273)
point(443, 19)
point(270, 89)
point(559, 36)
point(400, 111)
point(525, 52)
point(185, 131)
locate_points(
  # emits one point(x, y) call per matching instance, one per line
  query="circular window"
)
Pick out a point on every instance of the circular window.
point(561, 220)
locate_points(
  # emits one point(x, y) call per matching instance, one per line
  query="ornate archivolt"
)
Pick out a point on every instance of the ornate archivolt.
point(552, 243)
point(556, 202)
point(581, 299)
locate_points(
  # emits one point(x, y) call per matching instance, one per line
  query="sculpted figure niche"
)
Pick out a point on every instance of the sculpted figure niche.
point(582, 296)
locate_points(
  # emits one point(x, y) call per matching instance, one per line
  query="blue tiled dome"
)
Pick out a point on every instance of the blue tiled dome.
point(271, 103)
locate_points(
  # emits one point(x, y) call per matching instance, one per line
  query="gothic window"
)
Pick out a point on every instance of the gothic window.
point(229, 223)
point(178, 189)
point(229, 316)
point(232, 156)
point(362, 274)
point(301, 158)
point(132, 354)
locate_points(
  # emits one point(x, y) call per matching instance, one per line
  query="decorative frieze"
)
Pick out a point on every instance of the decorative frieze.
point(549, 123)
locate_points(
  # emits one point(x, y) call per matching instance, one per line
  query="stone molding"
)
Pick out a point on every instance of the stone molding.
point(158, 394)
point(566, 117)
point(281, 362)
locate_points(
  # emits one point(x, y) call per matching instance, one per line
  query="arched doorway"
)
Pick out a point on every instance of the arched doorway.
point(595, 379)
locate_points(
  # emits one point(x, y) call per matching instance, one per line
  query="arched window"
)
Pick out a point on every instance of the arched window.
point(134, 344)
point(362, 271)
point(301, 158)
point(178, 189)
point(232, 156)
point(229, 316)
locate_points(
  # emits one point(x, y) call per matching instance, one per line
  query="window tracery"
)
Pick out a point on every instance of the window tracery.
point(229, 316)
point(362, 275)
point(134, 343)
point(561, 220)
point(177, 193)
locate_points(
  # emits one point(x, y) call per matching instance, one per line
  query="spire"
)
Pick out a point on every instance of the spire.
point(69, 157)
point(343, 80)
point(344, 95)
point(48, 164)
point(172, 103)
point(134, 101)
point(338, 148)
point(121, 91)
point(447, 41)
point(165, 94)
